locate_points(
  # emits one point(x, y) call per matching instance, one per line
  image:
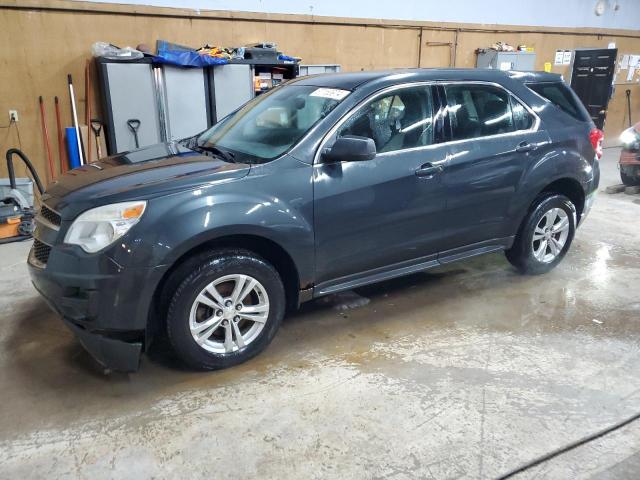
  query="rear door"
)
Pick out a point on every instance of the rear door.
point(494, 137)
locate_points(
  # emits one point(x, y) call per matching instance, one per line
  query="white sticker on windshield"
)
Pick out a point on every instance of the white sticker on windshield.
point(332, 93)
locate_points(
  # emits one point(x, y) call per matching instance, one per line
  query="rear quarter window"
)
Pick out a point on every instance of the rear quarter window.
point(560, 95)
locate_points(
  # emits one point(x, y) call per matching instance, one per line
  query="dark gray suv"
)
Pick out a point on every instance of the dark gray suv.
point(324, 184)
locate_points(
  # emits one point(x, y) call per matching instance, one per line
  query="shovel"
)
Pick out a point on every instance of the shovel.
point(134, 125)
point(96, 126)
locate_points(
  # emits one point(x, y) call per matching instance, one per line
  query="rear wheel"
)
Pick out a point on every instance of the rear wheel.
point(226, 309)
point(545, 235)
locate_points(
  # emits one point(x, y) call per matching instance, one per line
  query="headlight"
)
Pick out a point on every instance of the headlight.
point(629, 138)
point(96, 228)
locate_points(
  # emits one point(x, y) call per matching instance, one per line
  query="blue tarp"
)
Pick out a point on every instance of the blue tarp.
point(286, 58)
point(174, 54)
point(184, 57)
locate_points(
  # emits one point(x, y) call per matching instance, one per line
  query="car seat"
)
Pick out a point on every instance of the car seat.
point(497, 118)
point(465, 126)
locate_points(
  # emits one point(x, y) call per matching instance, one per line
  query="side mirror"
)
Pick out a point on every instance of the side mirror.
point(350, 148)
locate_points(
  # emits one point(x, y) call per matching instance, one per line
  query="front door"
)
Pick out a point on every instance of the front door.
point(494, 139)
point(383, 214)
point(592, 80)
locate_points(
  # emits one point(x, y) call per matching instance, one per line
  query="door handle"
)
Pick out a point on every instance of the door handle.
point(428, 170)
point(525, 147)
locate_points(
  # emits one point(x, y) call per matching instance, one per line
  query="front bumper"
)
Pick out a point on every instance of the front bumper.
point(118, 355)
point(631, 170)
point(630, 163)
point(105, 305)
point(629, 158)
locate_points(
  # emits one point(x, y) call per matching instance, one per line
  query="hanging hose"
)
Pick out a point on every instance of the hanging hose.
point(628, 93)
point(27, 162)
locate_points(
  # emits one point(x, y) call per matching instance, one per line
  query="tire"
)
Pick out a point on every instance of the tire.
point(533, 256)
point(628, 180)
point(200, 293)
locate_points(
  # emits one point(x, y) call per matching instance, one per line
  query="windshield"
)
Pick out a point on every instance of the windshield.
point(269, 125)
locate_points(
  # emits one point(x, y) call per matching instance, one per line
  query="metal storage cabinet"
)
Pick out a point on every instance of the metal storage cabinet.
point(128, 89)
point(186, 105)
point(172, 102)
point(513, 60)
point(316, 69)
point(230, 86)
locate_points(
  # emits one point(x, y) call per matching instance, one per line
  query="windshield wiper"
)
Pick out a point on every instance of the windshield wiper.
point(225, 154)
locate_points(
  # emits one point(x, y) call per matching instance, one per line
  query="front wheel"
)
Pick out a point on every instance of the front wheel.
point(226, 308)
point(545, 235)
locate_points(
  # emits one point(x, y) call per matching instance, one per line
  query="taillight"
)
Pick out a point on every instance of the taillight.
point(596, 136)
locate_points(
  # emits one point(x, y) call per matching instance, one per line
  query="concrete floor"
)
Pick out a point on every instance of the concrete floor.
point(465, 371)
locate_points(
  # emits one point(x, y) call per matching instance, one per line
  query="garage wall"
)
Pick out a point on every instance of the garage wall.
point(43, 40)
point(548, 13)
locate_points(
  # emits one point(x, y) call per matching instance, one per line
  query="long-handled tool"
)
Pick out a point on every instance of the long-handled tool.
point(134, 125)
point(62, 154)
point(96, 126)
point(74, 115)
point(87, 103)
point(628, 92)
point(47, 142)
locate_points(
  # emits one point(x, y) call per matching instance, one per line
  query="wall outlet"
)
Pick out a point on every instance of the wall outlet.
point(13, 115)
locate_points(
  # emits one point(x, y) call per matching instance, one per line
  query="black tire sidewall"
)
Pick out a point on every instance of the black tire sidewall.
point(195, 280)
point(521, 254)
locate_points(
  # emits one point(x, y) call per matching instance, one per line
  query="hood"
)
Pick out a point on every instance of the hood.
point(145, 173)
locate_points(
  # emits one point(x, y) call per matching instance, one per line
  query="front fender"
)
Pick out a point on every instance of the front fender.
point(278, 208)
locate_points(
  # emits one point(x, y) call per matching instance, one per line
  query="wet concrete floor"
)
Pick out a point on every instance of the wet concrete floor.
point(461, 372)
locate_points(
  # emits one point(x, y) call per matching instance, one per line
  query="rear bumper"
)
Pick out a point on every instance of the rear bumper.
point(591, 191)
point(588, 203)
point(106, 309)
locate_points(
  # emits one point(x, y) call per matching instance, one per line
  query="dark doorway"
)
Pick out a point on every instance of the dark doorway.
point(592, 80)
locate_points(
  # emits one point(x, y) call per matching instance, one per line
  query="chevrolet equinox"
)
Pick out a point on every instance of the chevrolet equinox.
point(324, 184)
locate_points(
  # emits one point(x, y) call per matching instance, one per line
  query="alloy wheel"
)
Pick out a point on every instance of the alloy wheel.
point(229, 313)
point(550, 235)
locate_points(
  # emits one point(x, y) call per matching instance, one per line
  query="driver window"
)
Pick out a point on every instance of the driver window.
point(400, 120)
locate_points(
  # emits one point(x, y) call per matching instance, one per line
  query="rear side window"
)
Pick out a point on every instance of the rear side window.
point(522, 119)
point(560, 95)
point(478, 111)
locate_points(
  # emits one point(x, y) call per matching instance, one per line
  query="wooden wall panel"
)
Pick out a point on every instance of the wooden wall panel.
point(617, 117)
point(38, 47)
point(437, 48)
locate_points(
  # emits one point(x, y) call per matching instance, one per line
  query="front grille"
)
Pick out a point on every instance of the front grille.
point(50, 216)
point(41, 251)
